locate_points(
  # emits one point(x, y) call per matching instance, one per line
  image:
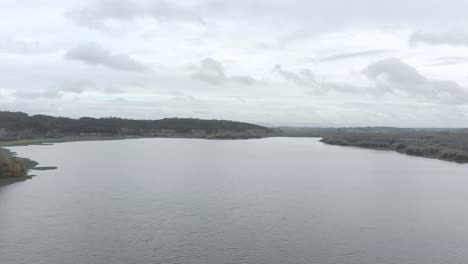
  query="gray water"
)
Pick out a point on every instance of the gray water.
point(277, 200)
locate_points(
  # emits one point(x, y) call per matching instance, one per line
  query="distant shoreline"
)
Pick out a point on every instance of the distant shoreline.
point(422, 154)
point(65, 139)
point(49, 141)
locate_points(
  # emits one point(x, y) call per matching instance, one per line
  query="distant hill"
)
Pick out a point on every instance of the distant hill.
point(18, 125)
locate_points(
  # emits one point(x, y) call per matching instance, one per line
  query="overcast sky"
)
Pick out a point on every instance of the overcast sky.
point(277, 62)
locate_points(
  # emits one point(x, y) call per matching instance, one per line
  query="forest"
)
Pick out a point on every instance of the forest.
point(18, 125)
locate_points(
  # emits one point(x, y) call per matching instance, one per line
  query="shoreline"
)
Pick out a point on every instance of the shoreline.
point(348, 144)
point(51, 141)
point(32, 165)
point(14, 169)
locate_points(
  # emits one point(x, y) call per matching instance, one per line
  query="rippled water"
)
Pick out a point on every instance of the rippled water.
point(277, 200)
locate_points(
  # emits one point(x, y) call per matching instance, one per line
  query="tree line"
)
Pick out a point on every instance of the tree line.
point(18, 125)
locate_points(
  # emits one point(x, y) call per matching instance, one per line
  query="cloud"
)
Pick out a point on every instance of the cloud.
point(210, 71)
point(307, 78)
point(94, 54)
point(213, 72)
point(352, 55)
point(395, 71)
point(304, 78)
point(396, 77)
point(440, 38)
point(243, 79)
point(96, 16)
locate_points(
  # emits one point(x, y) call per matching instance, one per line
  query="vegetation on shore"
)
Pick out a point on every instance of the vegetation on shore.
point(444, 144)
point(22, 128)
point(12, 166)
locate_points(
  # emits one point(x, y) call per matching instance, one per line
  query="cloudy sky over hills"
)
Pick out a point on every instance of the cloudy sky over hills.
point(296, 62)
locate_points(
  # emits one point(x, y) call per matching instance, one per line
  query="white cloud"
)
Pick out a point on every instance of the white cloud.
point(213, 72)
point(94, 54)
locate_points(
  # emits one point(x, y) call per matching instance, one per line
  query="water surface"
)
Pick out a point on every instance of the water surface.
point(277, 200)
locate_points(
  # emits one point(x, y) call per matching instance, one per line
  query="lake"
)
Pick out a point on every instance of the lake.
point(275, 200)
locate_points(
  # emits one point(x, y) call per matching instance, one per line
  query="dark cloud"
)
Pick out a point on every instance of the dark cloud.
point(213, 72)
point(440, 38)
point(94, 54)
point(352, 55)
